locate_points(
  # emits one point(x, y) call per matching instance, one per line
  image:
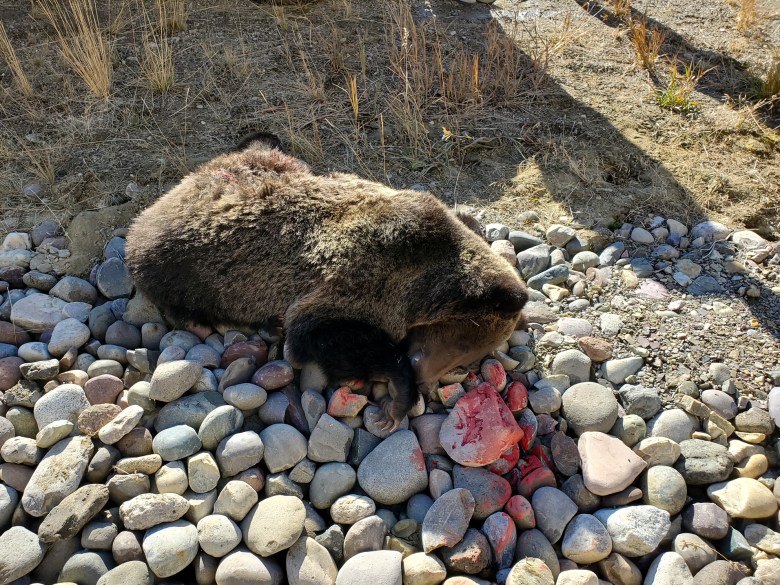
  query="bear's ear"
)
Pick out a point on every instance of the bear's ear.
point(507, 298)
point(266, 139)
point(471, 222)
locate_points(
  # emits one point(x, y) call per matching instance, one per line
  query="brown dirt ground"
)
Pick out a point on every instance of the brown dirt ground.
point(561, 119)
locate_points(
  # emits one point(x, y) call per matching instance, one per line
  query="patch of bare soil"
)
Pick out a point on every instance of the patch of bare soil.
point(538, 104)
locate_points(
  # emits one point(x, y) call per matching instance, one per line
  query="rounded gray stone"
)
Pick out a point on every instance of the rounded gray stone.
point(284, 446)
point(129, 573)
point(635, 530)
point(395, 470)
point(330, 482)
point(573, 363)
point(665, 488)
point(310, 563)
point(553, 510)
point(66, 334)
point(86, 567)
point(218, 424)
point(241, 567)
point(704, 462)
point(674, 424)
point(176, 443)
point(588, 406)
point(375, 567)
point(169, 548)
point(239, 452)
point(171, 380)
point(20, 553)
point(65, 402)
point(586, 540)
point(273, 525)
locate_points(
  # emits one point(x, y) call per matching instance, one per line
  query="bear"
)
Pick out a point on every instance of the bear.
point(369, 282)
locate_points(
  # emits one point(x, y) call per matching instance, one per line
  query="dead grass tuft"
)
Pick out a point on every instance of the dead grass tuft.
point(157, 60)
point(175, 14)
point(82, 41)
point(647, 42)
point(770, 85)
point(747, 15)
point(621, 8)
point(9, 55)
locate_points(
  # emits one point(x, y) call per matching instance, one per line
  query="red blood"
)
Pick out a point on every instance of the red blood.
point(528, 464)
point(355, 384)
point(544, 454)
point(513, 477)
point(527, 422)
point(516, 397)
point(345, 403)
point(506, 462)
point(471, 381)
point(480, 428)
point(537, 478)
point(521, 511)
point(501, 532)
point(448, 393)
point(493, 372)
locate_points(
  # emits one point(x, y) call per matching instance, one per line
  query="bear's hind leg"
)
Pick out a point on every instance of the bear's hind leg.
point(349, 348)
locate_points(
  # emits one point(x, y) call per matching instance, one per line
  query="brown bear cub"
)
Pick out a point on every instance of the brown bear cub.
point(372, 283)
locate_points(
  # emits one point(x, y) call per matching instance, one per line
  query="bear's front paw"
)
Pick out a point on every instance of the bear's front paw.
point(390, 414)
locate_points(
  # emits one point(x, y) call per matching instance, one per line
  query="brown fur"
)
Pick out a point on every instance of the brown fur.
point(253, 235)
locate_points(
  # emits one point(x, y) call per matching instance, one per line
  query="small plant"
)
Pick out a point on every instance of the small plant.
point(647, 42)
point(9, 55)
point(747, 15)
point(621, 8)
point(83, 43)
point(355, 103)
point(677, 95)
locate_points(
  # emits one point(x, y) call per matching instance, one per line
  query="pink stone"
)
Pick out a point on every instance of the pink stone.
point(493, 373)
point(517, 397)
point(274, 375)
point(480, 428)
point(506, 462)
point(344, 403)
point(537, 478)
point(10, 333)
point(608, 465)
point(501, 532)
point(103, 389)
point(355, 385)
point(9, 372)
point(544, 454)
point(257, 349)
point(521, 511)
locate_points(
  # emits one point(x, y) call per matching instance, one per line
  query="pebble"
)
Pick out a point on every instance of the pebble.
point(73, 513)
point(130, 573)
point(330, 440)
point(273, 524)
point(20, 553)
point(86, 567)
point(532, 543)
point(530, 571)
point(65, 402)
point(37, 312)
point(706, 520)
point(113, 279)
point(241, 567)
point(103, 389)
point(480, 413)
point(635, 530)
point(239, 452)
point(423, 569)
point(617, 370)
point(375, 567)
point(284, 447)
point(394, 470)
point(720, 402)
point(640, 401)
point(57, 475)
point(245, 396)
point(471, 555)
point(553, 510)
point(120, 425)
point(176, 443)
point(704, 462)
point(490, 491)
point(586, 540)
point(66, 334)
point(365, 535)
point(147, 510)
point(720, 571)
point(218, 424)
point(310, 563)
point(218, 535)
point(588, 406)
point(608, 465)
point(170, 547)
point(673, 424)
point(669, 568)
point(171, 380)
point(743, 498)
point(330, 482)
point(695, 551)
point(664, 488)
point(574, 364)
point(447, 520)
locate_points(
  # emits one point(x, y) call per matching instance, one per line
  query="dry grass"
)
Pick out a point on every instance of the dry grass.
point(647, 42)
point(10, 58)
point(770, 85)
point(175, 14)
point(621, 8)
point(157, 62)
point(83, 42)
point(747, 15)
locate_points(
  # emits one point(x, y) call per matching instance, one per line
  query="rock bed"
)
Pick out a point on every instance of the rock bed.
point(628, 436)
